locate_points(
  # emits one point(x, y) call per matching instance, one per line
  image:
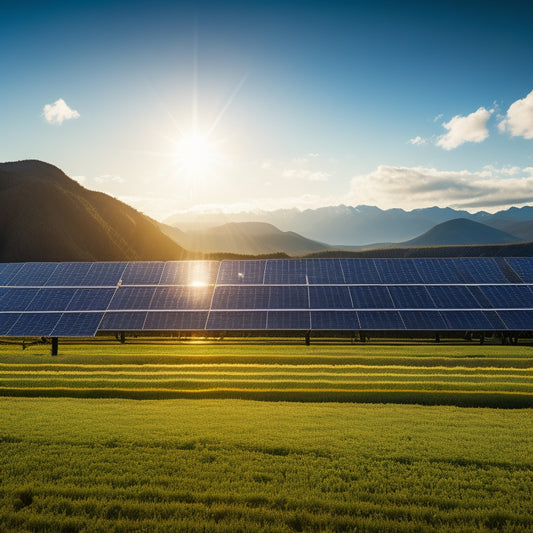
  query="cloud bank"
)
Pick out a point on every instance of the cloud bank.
point(519, 118)
point(471, 128)
point(58, 112)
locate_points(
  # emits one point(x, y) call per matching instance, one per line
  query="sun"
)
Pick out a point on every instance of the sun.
point(195, 155)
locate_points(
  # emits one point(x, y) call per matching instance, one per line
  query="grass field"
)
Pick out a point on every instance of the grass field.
point(104, 464)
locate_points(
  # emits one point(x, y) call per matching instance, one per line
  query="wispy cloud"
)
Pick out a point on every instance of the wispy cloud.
point(519, 118)
point(462, 129)
point(58, 112)
point(417, 140)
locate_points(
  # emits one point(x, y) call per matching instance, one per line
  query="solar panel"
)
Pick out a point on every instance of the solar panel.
point(434, 270)
point(480, 270)
point(239, 297)
point(334, 320)
point(91, 299)
point(48, 299)
point(167, 298)
point(411, 297)
point(360, 271)
point(288, 320)
point(123, 321)
point(6, 322)
point(380, 320)
point(423, 320)
point(285, 271)
point(398, 271)
point(34, 325)
point(371, 297)
point(77, 325)
point(241, 272)
point(324, 271)
point(16, 299)
point(517, 320)
point(33, 274)
point(472, 320)
point(8, 271)
point(175, 320)
point(452, 297)
point(69, 274)
point(329, 297)
point(507, 296)
point(236, 320)
point(288, 297)
point(523, 266)
point(132, 298)
point(195, 273)
point(104, 274)
point(144, 273)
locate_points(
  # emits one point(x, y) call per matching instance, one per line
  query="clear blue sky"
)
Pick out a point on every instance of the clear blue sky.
point(187, 105)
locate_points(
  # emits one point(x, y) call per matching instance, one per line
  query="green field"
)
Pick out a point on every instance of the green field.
point(108, 463)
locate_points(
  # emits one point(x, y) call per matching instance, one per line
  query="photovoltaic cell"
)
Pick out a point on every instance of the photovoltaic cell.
point(123, 321)
point(104, 274)
point(288, 320)
point(423, 320)
point(472, 320)
point(398, 271)
point(329, 297)
point(452, 297)
point(8, 271)
point(285, 271)
point(517, 320)
point(508, 296)
point(288, 298)
point(189, 273)
point(77, 325)
point(523, 266)
point(175, 320)
point(69, 274)
point(331, 320)
point(241, 297)
point(184, 297)
point(411, 297)
point(6, 322)
point(360, 271)
point(88, 299)
point(16, 299)
point(371, 297)
point(236, 320)
point(380, 320)
point(51, 299)
point(437, 270)
point(241, 272)
point(143, 273)
point(33, 274)
point(34, 325)
point(130, 298)
point(480, 270)
point(324, 271)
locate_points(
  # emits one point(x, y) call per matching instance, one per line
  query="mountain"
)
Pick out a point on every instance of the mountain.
point(47, 216)
point(251, 238)
point(461, 231)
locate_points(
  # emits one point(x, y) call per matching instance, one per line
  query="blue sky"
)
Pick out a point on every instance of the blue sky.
point(172, 106)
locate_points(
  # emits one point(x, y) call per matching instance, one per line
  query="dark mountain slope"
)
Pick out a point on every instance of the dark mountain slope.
point(46, 216)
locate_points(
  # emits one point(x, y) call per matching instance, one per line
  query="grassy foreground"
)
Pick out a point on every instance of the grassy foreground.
point(69, 465)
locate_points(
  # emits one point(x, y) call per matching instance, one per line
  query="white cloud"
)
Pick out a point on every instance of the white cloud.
point(414, 187)
point(417, 140)
point(108, 178)
point(519, 119)
point(305, 174)
point(472, 128)
point(58, 112)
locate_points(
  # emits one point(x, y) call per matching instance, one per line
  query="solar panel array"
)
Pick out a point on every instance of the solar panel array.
point(81, 299)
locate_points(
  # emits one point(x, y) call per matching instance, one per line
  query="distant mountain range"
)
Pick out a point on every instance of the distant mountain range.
point(363, 225)
point(46, 216)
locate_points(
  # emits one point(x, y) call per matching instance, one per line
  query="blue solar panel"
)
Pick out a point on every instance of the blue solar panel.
point(8, 271)
point(423, 320)
point(144, 273)
point(33, 274)
point(167, 298)
point(507, 296)
point(452, 297)
point(6, 322)
point(241, 272)
point(371, 297)
point(523, 266)
point(324, 271)
point(51, 299)
point(380, 320)
point(123, 321)
point(236, 320)
point(285, 271)
point(69, 274)
point(231, 297)
point(411, 297)
point(129, 298)
point(480, 270)
point(398, 271)
point(34, 325)
point(91, 299)
point(472, 320)
point(189, 273)
point(16, 299)
point(104, 274)
point(331, 320)
point(360, 271)
point(517, 320)
point(175, 320)
point(77, 325)
point(288, 298)
point(437, 270)
point(288, 320)
point(330, 297)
